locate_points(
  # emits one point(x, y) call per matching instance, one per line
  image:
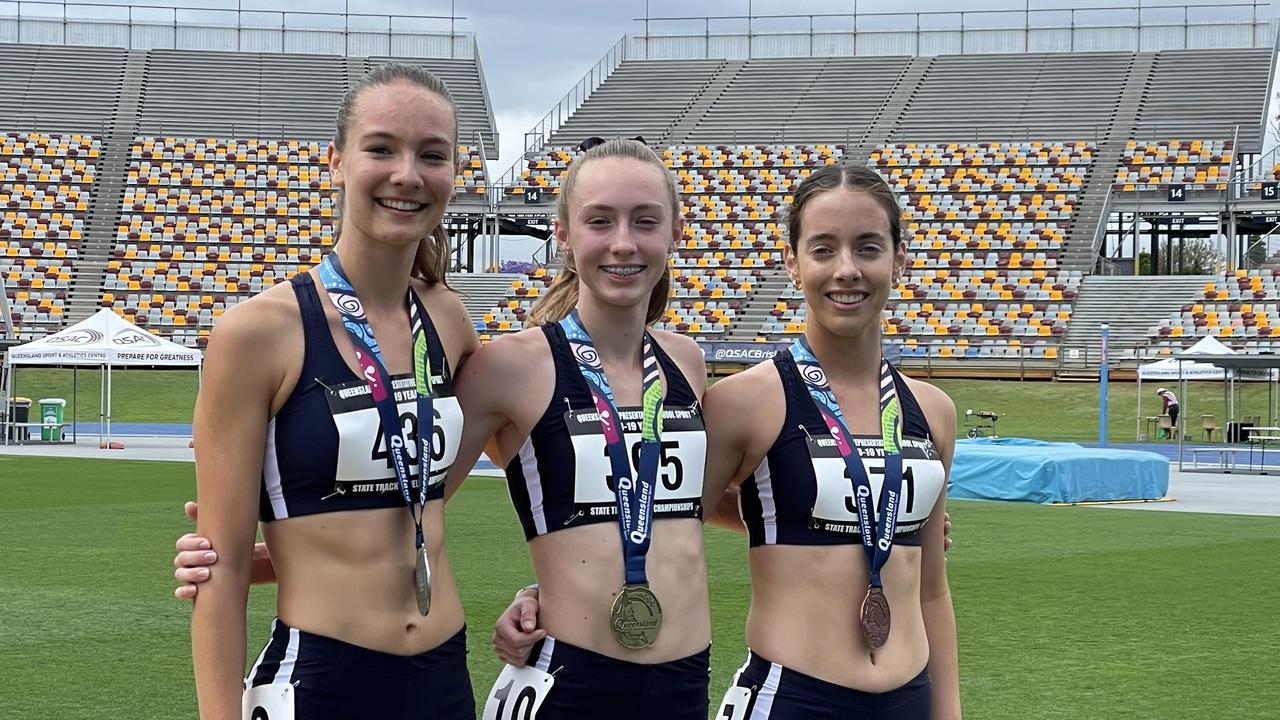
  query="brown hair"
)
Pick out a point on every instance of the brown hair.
point(562, 296)
point(431, 262)
point(854, 177)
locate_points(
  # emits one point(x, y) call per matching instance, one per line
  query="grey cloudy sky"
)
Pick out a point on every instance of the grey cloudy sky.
point(534, 52)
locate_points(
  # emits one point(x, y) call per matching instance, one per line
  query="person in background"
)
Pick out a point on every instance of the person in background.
point(1169, 407)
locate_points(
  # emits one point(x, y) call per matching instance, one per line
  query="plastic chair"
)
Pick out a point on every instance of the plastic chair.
point(1167, 428)
point(1208, 424)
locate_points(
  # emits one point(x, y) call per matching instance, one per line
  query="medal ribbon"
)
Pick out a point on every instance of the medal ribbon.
point(634, 496)
point(343, 297)
point(877, 537)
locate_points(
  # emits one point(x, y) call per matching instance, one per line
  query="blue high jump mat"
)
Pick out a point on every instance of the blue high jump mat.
point(1036, 471)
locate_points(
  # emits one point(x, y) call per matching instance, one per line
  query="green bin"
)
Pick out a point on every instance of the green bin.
point(51, 414)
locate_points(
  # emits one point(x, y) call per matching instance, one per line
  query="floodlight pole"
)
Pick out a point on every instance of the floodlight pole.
point(1102, 386)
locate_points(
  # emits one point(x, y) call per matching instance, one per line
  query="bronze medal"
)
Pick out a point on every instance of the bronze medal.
point(875, 618)
point(636, 617)
point(422, 582)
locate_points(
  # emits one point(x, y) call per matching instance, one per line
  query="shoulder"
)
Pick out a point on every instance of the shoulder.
point(444, 303)
point(753, 396)
point(758, 378)
point(511, 356)
point(744, 415)
point(263, 318)
point(686, 353)
point(255, 346)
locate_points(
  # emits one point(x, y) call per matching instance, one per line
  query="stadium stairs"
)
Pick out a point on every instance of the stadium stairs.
point(1078, 253)
point(1131, 305)
point(899, 97)
point(481, 292)
point(759, 307)
point(95, 250)
point(706, 99)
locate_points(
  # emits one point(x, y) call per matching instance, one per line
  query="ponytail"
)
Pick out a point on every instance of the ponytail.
point(431, 262)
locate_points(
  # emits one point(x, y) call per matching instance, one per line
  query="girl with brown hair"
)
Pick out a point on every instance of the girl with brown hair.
point(299, 382)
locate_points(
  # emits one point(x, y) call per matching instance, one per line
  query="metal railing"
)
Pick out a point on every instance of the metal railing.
point(536, 138)
point(80, 17)
point(971, 29)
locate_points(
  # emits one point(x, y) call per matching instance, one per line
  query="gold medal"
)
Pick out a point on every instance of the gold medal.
point(875, 618)
point(422, 581)
point(636, 617)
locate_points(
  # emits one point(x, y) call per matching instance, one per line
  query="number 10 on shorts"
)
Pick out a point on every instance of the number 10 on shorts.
point(517, 693)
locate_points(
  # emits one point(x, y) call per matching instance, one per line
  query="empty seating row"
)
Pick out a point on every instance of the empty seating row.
point(1202, 164)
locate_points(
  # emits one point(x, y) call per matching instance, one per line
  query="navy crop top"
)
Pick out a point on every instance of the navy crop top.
point(561, 476)
point(325, 449)
point(800, 495)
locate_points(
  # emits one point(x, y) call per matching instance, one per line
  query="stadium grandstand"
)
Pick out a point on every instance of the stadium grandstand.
point(1041, 167)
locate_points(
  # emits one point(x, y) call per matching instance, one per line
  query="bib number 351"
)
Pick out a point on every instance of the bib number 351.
point(517, 693)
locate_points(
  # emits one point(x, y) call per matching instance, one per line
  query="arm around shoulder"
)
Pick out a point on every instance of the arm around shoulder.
point(486, 387)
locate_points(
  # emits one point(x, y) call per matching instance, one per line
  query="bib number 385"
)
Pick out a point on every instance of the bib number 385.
point(517, 693)
point(268, 702)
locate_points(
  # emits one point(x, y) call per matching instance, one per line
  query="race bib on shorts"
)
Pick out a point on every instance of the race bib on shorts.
point(734, 705)
point(517, 693)
point(268, 702)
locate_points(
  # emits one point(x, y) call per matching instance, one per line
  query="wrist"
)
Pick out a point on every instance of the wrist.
point(527, 591)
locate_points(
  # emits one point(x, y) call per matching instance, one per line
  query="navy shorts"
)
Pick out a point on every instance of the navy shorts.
point(336, 680)
point(591, 685)
point(778, 693)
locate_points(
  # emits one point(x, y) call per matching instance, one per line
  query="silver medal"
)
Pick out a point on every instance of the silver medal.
point(422, 581)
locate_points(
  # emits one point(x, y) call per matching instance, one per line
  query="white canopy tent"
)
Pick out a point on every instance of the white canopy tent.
point(1178, 370)
point(104, 341)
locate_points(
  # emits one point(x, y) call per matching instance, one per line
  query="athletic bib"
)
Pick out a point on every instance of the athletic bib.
point(835, 509)
point(734, 705)
point(364, 462)
point(517, 693)
point(268, 702)
point(680, 469)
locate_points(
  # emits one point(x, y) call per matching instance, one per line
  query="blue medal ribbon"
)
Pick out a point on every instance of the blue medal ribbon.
point(877, 537)
point(374, 369)
point(635, 495)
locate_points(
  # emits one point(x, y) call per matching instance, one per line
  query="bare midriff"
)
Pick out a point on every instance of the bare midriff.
point(806, 604)
point(349, 576)
point(580, 571)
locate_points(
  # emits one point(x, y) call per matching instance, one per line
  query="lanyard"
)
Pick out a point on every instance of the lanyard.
point(635, 497)
point(372, 366)
point(877, 537)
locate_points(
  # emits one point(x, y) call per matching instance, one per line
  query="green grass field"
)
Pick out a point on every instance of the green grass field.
point(1039, 409)
point(1071, 613)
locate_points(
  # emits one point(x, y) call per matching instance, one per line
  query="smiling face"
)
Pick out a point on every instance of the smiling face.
point(397, 164)
point(620, 227)
point(845, 260)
